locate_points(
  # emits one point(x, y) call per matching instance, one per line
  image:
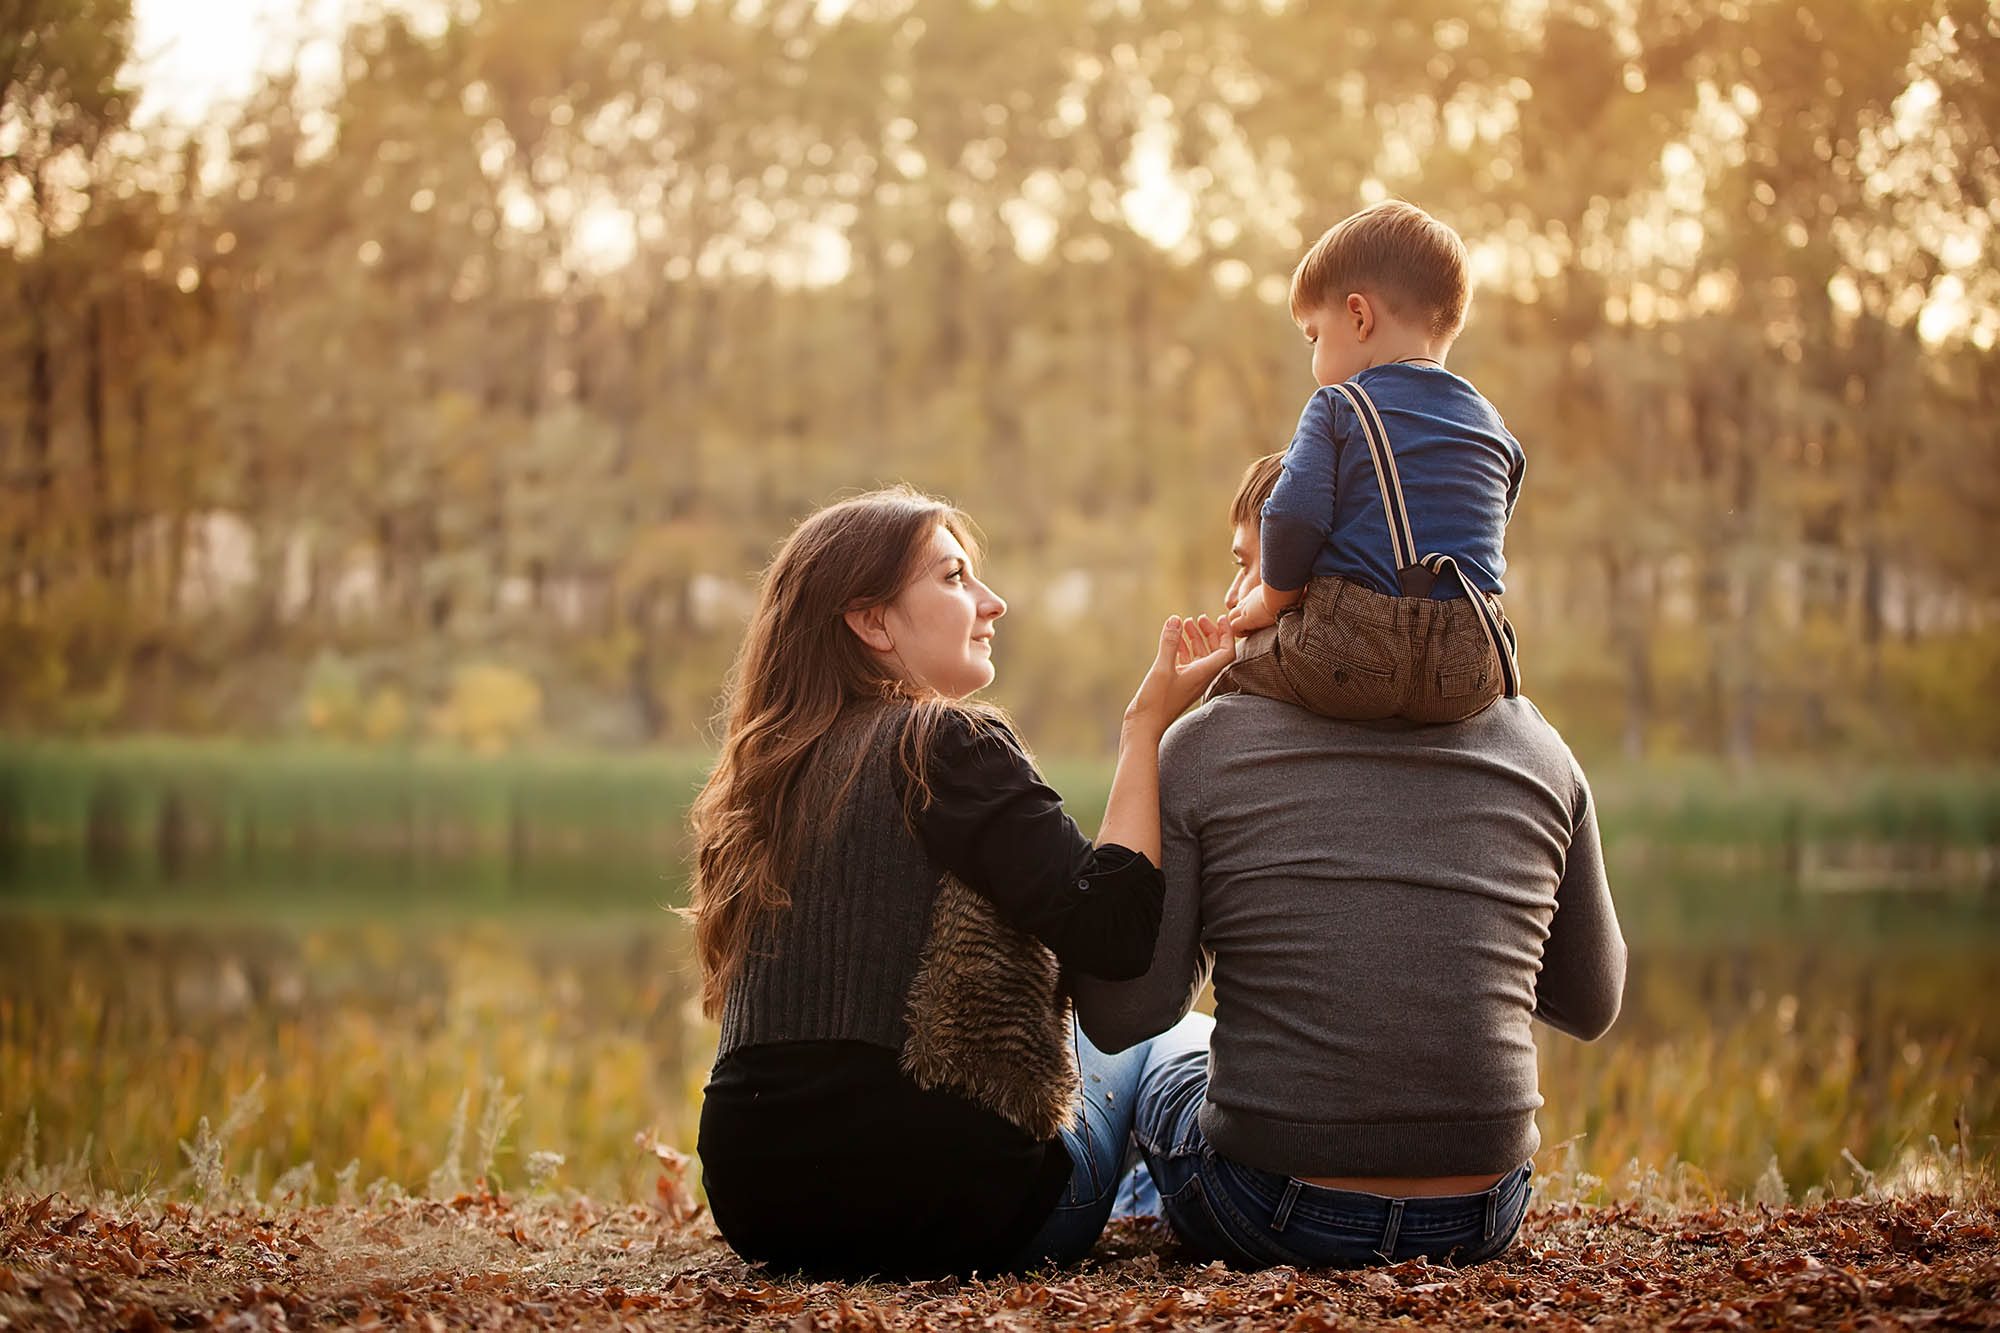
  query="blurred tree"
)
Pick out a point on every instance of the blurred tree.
point(60, 102)
point(525, 342)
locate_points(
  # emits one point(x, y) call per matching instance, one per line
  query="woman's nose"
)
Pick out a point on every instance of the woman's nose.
point(991, 605)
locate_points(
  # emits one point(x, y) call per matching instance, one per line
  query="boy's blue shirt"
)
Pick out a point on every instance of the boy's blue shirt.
point(1460, 469)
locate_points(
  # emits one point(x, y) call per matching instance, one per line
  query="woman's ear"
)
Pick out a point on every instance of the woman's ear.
point(871, 628)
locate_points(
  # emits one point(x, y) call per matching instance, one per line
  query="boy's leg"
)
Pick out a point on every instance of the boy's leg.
point(1345, 651)
point(1258, 669)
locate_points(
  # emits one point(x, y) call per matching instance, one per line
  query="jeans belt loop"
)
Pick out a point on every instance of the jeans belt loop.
point(1493, 1206)
point(1283, 1215)
point(1391, 1229)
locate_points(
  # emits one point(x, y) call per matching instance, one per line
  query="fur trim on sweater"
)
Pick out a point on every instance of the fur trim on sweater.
point(989, 1017)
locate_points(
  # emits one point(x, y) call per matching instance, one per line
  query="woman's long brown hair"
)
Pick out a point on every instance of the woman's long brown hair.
point(799, 670)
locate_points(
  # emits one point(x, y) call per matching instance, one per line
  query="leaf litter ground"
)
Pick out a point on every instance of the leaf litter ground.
point(486, 1261)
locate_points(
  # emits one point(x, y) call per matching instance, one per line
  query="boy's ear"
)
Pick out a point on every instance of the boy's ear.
point(1362, 312)
point(870, 627)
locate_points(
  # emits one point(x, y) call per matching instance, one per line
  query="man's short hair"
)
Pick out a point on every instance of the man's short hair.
point(1255, 488)
point(1395, 251)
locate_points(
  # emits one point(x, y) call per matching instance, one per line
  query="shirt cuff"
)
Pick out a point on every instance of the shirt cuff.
point(1110, 866)
point(1287, 550)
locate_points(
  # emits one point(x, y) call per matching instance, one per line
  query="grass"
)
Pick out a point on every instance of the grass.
point(393, 1053)
point(395, 949)
point(361, 1043)
point(1817, 1087)
point(229, 802)
point(236, 799)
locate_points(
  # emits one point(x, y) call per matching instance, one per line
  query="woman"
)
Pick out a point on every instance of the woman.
point(887, 899)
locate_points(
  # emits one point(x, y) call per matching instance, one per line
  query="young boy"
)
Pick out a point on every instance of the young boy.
point(1380, 550)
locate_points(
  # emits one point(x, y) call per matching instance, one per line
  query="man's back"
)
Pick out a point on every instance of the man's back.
point(1387, 907)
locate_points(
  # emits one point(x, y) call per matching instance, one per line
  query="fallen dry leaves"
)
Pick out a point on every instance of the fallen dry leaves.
point(485, 1261)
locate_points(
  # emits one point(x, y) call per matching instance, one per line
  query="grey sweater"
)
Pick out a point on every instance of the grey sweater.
point(1384, 909)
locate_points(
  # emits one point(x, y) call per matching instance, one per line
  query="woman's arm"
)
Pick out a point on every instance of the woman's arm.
point(995, 824)
point(1115, 1015)
point(1192, 654)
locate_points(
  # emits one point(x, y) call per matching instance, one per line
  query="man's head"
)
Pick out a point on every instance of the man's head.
point(1400, 261)
point(1246, 522)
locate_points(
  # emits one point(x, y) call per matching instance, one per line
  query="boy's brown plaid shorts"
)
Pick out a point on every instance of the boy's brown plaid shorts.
point(1350, 652)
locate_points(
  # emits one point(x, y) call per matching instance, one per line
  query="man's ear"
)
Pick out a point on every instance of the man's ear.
point(1362, 311)
point(871, 628)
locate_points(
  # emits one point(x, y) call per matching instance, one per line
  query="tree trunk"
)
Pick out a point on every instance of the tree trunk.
point(639, 674)
point(138, 411)
point(1631, 635)
point(94, 407)
point(948, 331)
point(1874, 590)
point(1141, 353)
point(876, 393)
point(40, 430)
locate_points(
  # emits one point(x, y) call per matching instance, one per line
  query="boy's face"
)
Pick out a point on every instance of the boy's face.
point(1336, 335)
point(1243, 548)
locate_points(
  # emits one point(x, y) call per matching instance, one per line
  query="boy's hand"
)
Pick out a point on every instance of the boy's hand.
point(1254, 612)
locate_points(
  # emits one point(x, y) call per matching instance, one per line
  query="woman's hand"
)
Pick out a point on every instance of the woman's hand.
point(1192, 654)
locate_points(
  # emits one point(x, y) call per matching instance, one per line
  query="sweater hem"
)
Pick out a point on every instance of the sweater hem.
point(891, 1035)
point(1371, 1148)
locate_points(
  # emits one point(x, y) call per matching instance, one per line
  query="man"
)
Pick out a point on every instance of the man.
point(1383, 908)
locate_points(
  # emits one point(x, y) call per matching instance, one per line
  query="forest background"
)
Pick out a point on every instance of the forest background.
point(459, 391)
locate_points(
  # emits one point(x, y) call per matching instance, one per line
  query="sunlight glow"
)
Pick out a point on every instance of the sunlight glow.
point(192, 57)
point(1156, 206)
point(189, 55)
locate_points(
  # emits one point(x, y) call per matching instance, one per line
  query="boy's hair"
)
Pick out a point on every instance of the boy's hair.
point(1395, 251)
point(1255, 488)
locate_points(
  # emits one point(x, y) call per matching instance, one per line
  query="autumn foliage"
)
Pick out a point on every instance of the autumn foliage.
point(514, 349)
point(488, 1261)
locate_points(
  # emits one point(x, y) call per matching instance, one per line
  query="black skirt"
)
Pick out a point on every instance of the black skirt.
point(822, 1157)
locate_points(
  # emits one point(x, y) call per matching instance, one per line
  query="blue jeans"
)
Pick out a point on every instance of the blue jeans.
point(1252, 1218)
point(1100, 1142)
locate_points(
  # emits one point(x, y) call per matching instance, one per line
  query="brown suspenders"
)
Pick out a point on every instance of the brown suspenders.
point(1415, 575)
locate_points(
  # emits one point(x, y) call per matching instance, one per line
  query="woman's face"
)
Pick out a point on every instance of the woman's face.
point(939, 630)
